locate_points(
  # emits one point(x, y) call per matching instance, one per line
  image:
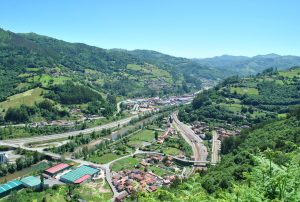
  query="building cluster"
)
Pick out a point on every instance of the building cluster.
point(200, 128)
point(29, 182)
point(147, 104)
point(155, 159)
point(76, 112)
point(223, 133)
point(59, 174)
point(140, 104)
point(66, 174)
point(17, 184)
point(126, 180)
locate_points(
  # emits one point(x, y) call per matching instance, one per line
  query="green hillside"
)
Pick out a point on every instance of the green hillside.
point(247, 101)
point(262, 164)
point(243, 65)
point(40, 64)
point(35, 68)
point(30, 60)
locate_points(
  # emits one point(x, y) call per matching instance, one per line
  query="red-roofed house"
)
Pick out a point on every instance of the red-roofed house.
point(152, 188)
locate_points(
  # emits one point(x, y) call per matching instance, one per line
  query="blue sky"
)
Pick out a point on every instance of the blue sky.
point(187, 28)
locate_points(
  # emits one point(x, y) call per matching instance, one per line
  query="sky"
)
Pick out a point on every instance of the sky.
point(186, 28)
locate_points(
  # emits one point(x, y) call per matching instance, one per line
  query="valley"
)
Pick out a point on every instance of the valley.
point(82, 123)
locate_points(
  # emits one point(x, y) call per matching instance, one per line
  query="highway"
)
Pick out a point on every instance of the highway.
point(22, 141)
point(199, 149)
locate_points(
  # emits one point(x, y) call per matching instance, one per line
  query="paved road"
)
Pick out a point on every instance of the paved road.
point(119, 106)
point(216, 146)
point(15, 125)
point(22, 141)
point(106, 167)
point(54, 155)
point(199, 149)
point(174, 157)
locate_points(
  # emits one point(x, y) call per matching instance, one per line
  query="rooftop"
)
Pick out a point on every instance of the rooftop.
point(9, 185)
point(57, 168)
point(31, 181)
point(79, 172)
point(82, 179)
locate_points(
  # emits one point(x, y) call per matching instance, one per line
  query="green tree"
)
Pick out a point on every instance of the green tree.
point(269, 154)
point(42, 182)
point(156, 135)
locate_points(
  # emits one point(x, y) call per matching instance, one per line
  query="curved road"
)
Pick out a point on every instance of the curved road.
point(22, 141)
point(199, 150)
point(106, 167)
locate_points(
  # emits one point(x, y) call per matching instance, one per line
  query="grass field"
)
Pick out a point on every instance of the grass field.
point(151, 69)
point(27, 98)
point(123, 164)
point(242, 91)
point(104, 159)
point(46, 80)
point(90, 192)
point(58, 195)
point(235, 100)
point(135, 143)
point(257, 114)
point(282, 116)
point(172, 151)
point(23, 86)
point(279, 82)
point(33, 69)
point(290, 73)
point(232, 107)
point(159, 171)
point(134, 67)
point(143, 135)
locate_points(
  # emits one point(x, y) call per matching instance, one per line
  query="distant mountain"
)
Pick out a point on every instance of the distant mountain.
point(250, 65)
point(28, 61)
point(25, 57)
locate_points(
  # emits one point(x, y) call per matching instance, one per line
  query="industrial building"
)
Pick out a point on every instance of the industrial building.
point(80, 174)
point(31, 182)
point(6, 188)
point(57, 169)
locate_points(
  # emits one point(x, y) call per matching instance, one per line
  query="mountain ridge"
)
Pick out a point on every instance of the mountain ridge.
point(244, 65)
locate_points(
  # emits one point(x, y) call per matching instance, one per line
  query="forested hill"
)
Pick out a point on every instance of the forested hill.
point(250, 65)
point(262, 162)
point(247, 101)
point(25, 58)
point(263, 165)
